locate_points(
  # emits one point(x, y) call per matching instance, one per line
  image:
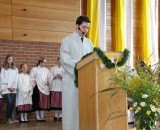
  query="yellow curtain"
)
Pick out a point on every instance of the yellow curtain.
point(146, 43)
point(120, 25)
point(93, 14)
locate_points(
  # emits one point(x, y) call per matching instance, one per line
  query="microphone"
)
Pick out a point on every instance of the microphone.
point(81, 31)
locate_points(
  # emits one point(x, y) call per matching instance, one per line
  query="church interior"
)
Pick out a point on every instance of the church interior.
point(30, 29)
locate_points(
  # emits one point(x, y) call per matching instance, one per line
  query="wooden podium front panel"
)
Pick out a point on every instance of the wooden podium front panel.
point(114, 107)
point(94, 107)
point(87, 101)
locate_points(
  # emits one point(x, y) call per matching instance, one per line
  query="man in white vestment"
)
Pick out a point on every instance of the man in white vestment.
point(73, 48)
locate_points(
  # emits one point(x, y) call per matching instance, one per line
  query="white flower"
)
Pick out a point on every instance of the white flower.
point(135, 104)
point(102, 66)
point(136, 111)
point(144, 96)
point(153, 109)
point(130, 99)
point(143, 104)
point(156, 115)
point(112, 60)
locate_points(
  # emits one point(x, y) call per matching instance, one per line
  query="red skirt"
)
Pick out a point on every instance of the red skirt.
point(44, 102)
point(56, 100)
point(24, 108)
point(40, 101)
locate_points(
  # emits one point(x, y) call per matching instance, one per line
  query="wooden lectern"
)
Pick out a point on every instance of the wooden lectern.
point(99, 111)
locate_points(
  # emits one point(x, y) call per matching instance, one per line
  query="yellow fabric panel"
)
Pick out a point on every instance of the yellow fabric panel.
point(146, 53)
point(120, 25)
point(93, 14)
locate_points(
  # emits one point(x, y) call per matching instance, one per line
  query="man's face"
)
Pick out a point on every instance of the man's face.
point(83, 28)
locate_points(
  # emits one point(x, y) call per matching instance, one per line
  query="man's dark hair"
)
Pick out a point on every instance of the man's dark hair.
point(82, 19)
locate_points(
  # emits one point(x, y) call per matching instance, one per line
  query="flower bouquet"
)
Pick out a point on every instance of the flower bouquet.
point(143, 89)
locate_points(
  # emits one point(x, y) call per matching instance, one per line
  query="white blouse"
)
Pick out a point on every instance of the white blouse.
point(9, 79)
point(41, 75)
point(56, 84)
point(25, 89)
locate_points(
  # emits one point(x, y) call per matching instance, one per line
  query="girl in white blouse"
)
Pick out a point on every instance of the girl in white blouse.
point(24, 93)
point(56, 90)
point(41, 93)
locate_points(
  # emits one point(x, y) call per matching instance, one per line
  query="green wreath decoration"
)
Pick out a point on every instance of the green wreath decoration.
point(107, 62)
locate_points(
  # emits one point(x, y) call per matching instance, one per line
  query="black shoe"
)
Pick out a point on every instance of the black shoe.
point(38, 120)
point(21, 121)
point(60, 118)
point(131, 122)
point(43, 120)
point(26, 121)
point(55, 119)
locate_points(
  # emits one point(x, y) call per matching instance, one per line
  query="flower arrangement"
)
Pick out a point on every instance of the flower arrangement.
point(143, 89)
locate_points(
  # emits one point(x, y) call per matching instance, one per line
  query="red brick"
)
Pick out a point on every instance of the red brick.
point(29, 52)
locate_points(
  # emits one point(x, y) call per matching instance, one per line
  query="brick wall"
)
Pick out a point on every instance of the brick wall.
point(29, 52)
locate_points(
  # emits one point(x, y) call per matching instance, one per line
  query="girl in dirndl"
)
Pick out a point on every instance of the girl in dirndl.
point(41, 93)
point(56, 90)
point(24, 93)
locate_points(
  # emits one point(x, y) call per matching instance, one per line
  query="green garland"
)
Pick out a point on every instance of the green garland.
point(107, 62)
